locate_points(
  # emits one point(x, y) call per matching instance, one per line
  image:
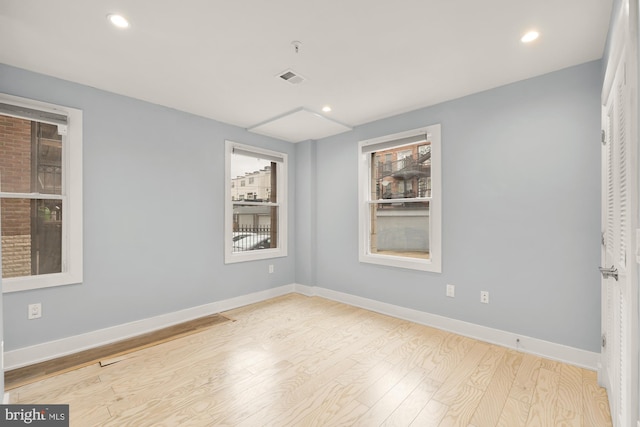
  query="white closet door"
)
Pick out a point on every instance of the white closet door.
point(617, 308)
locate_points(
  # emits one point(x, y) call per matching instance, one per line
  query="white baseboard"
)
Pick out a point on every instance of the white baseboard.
point(310, 291)
point(538, 347)
point(53, 349)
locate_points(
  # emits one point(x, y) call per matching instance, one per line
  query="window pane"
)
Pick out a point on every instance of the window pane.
point(31, 237)
point(400, 229)
point(254, 227)
point(30, 156)
point(48, 155)
point(401, 172)
point(252, 179)
point(15, 155)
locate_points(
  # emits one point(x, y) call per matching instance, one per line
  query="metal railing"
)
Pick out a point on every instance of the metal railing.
point(249, 238)
point(407, 167)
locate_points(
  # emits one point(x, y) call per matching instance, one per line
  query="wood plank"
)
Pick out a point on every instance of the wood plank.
point(330, 405)
point(386, 405)
point(267, 402)
point(298, 403)
point(542, 411)
point(456, 381)
point(569, 407)
point(567, 418)
point(28, 374)
point(431, 415)
point(372, 394)
point(290, 402)
point(483, 374)
point(409, 409)
point(462, 408)
point(336, 406)
point(495, 397)
point(450, 352)
point(596, 412)
point(526, 379)
point(96, 416)
point(54, 384)
point(551, 365)
point(514, 413)
point(569, 392)
point(346, 416)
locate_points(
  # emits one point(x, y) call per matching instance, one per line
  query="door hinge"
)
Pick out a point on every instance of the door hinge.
point(604, 242)
point(609, 272)
point(604, 340)
point(603, 137)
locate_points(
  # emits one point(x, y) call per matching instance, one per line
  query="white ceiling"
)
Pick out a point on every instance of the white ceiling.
point(368, 59)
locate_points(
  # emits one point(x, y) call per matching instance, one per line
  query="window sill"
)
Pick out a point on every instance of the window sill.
point(402, 262)
point(234, 257)
point(18, 284)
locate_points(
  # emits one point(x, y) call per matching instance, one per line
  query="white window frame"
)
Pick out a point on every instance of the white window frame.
point(231, 257)
point(72, 253)
point(434, 263)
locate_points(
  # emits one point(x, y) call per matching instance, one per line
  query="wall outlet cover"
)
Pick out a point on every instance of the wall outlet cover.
point(484, 297)
point(451, 291)
point(35, 311)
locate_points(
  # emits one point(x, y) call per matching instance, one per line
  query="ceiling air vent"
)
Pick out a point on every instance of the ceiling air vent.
point(291, 77)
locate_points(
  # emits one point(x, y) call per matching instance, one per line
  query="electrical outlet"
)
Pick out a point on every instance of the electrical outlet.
point(35, 311)
point(484, 297)
point(270, 268)
point(451, 291)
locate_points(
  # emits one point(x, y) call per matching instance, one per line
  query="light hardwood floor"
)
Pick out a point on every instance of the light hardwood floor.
point(301, 361)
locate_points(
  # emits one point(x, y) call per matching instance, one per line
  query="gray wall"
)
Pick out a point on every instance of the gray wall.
point(306, 213)
point(521, 210)
point(153, 216)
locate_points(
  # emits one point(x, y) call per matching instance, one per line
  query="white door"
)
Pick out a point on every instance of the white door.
point(619, 210)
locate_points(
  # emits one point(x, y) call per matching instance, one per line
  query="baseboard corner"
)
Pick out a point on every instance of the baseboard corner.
point(306, 290)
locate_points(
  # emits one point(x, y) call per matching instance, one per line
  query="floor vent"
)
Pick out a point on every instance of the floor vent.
point(291, 77)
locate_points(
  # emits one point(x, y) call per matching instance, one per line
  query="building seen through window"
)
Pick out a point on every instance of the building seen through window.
point(255, 202)
point(402, 174)
point(30, 164)
point(400, 200)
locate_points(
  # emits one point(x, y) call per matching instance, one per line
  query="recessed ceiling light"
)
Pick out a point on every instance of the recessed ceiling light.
point(529, 37)
point(118, 20)
point(326, 108)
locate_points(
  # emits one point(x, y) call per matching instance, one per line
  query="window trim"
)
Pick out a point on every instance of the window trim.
point(434, 263)
point(231, 257)
point(72, 252)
